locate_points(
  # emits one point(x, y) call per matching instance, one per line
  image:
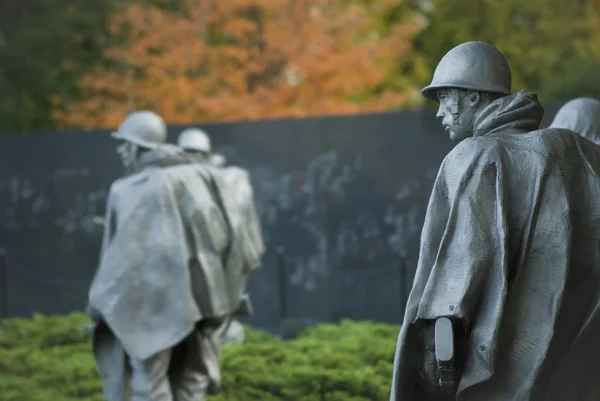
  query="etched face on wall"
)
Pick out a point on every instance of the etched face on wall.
point(457, 112)
point(127, 151)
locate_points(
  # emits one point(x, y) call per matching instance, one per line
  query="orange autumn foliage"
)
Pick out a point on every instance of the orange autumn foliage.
point(248, 59)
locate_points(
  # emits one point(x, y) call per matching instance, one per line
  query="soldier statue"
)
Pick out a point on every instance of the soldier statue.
point(179, 244)
point(198, 145)
point(505, 304)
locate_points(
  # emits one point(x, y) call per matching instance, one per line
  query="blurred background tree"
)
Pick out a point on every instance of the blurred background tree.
point(552, 46)
point(253, 59)
point(45, 47)
point(74, 63)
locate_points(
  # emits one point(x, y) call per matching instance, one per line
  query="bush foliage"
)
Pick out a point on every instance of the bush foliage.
point(49, 358)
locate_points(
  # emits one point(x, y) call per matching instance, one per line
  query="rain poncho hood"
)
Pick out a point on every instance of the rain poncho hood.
point(165, 155)
point(581, 116)
point(520, 111)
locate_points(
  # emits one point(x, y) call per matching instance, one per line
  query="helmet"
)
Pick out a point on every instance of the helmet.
point(143, 128)
point(582, 116)
point(194, 139)
point(471, 65)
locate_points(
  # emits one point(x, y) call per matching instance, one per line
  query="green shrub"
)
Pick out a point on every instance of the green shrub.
point(50, 359)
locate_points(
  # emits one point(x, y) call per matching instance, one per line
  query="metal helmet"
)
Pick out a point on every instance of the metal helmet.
point(471, 65)
point(143, 128)
point(581, 115)
point(194, 139)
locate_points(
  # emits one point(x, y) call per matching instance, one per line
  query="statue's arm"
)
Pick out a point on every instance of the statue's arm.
point(473, 244)
point(444, 343)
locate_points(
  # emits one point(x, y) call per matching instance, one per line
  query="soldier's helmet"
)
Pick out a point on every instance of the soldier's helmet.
point(143, 128)
point(581, 115)
point(471, 65)
point(194, 139)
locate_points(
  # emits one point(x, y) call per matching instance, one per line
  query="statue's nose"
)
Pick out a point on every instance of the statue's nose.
point(440, 113)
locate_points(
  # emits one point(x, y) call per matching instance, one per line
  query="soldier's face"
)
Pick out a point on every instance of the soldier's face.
point(457, 112)
point(127, 151)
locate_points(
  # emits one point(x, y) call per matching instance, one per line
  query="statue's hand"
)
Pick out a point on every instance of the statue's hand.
point(428, 371)
point(443, 345)
point(245, 307)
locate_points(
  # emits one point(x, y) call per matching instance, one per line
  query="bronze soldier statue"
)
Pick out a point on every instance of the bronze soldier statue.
point(505, 303)
point(198, 145)
point(179, 244)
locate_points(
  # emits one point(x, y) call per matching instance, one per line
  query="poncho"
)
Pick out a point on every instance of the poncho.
point(179, 243)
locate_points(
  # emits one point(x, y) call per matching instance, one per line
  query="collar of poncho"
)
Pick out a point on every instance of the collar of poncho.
point(519, 112)
point(163, 156)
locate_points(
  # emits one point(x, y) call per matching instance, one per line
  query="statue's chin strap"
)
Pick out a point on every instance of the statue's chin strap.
point(444, 354)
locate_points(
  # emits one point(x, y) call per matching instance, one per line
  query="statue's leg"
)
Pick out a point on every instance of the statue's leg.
point(195, 369)
point(209, 357)
point(223, 329)
point(190, 385)
point(149, 378)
